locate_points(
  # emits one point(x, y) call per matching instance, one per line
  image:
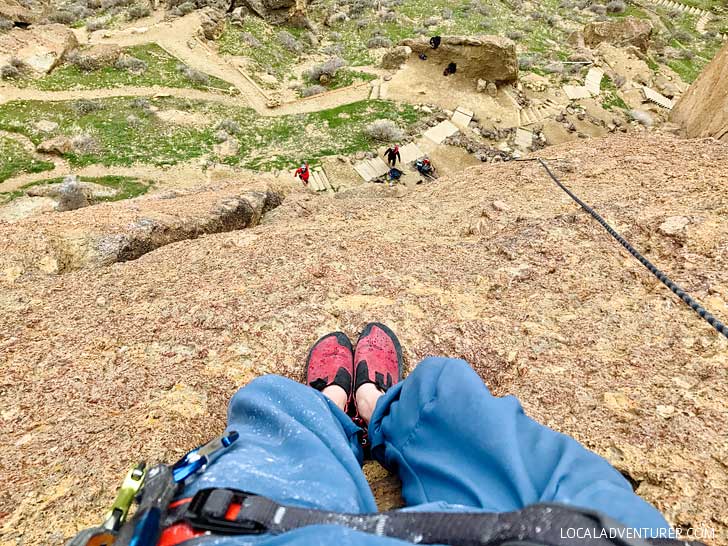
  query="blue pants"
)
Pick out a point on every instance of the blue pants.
point(451, 442)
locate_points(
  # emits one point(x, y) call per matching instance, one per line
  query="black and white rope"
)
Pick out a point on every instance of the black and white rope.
point(694, 305)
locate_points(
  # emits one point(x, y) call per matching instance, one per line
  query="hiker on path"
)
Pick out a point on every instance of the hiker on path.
point(454, 446)
point(450, 69)
point(392, 155)
point(303, 172)
point(435, 42)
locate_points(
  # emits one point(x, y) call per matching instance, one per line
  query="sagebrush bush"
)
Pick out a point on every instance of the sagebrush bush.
point(313, 90)
point(362, 23)
point(250, 40)
point(131, 64)
point(185, 8)
point(384, 130)
point(515, 35)
point(338, 17)
point(193, 75)
point(335, 36)
point(334, 50)
point(71, 195)
point(430, 21)
point(63, 17)
point(388, 17)
point(9, 72)
point(616, 6)
point(230, 126)
point(84, 144)
point(554, 68)
point(86, 106)
point(221, 136)
point(133, 120)
point(287, 40)
point(5, 24)
point(526, 63)
point(138, 11)
point(599, 9)
point(96, 24)
point(379, 41)
point(329, 68)
point(108, 4)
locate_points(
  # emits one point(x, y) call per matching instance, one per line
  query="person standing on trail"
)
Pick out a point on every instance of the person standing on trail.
point(303, 172)
point(435, 42)
point(392, 155)
point(289, 471)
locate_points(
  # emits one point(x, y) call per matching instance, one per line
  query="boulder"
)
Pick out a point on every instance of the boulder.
point(702, 110)
point(212, 23)
point(621, 32)
point(46, 126)
point(92, 192)
point(14, 11)
point(57, 145)
point(396, 57)
point(277, 11)
point(491, 58)
point(98, 56)
point(40, 48)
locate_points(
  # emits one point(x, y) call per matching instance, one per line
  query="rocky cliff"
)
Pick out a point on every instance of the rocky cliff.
point(703, 109)
point(110, 364)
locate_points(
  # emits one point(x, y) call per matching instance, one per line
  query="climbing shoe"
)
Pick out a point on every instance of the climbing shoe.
point(331, 362)
point(378, 357)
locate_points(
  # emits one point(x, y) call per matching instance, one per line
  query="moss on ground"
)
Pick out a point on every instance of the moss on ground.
point(266, 143)
point(162, 69)
point(15, 160)
point(128, 187)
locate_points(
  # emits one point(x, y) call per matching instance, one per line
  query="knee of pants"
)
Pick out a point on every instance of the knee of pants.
point(439, 372)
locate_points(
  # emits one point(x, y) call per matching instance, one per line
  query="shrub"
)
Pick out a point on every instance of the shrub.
point(5, 24)
point(388, 17)
point(554, 68)
point(108, 4)
point(599, 9)
point(536, 16)
point(682, 36)
point(619, 81)
point(335, 36)
point(144, 105)
point(485, 25)
point(338, 17)
point(133, 120)
point(82, 62)
point(96, 24)
point(312, 90)
point(379, 41)
point(362, 23)
point(9, 72)
point(250, 40)
point(63, 17)
point(446, 13)
point(83, 107)
point(230, 126)
point(195, 76)
point(526, 63)
point(71, 195)
point(287, 40)
point(515, 35)
point(131, 64)
point(686, 54)
point(431, 22)
point(329, 68)
point(138, 11)
point(221, 136)
point(84, 144)
point(184, 8)
point(616, 6)
point(334, 50)
point(384, 130)
point(641, 117)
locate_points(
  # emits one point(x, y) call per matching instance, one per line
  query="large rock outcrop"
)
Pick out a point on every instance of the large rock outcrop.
point(703, 109)
point(491, 58)
point(40, 48)
point(622, 32)
point(14, 11)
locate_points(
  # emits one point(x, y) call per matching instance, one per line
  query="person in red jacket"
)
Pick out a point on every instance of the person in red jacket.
point(303, 172)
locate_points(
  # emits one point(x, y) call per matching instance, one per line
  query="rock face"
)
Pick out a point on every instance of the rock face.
point(40, 48)
point(99, 56)
point(212, 23)
point(703, 110)
point(276, 11)
point(490, 58)
point(629, 30)
point(57, 145)
point(396, 57)
point(17, 13)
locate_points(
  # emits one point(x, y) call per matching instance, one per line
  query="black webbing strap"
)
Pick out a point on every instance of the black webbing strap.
point(541, 524)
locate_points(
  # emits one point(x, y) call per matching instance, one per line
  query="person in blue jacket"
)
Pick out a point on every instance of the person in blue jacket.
point(454, 445)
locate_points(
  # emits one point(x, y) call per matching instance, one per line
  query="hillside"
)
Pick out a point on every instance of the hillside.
point(106, 365)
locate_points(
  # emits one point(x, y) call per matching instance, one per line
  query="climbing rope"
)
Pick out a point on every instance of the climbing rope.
point(694, 305)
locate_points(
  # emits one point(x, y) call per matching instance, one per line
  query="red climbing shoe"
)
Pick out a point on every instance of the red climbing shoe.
point(331, 362)
point(378, 357)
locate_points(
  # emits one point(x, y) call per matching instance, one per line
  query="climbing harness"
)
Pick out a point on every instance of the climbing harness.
point(694, 305)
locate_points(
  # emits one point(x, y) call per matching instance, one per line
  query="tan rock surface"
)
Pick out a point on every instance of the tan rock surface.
point(491, 58)
point(703, 109)
point(40, 47)
point(102, 367)
point(620, 32)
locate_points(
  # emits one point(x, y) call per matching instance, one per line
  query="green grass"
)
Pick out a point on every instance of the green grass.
point(128, 187)
point(610, 98)
point(161, 70)
point(270, 56)
point(265, 142)
point(15, 160)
